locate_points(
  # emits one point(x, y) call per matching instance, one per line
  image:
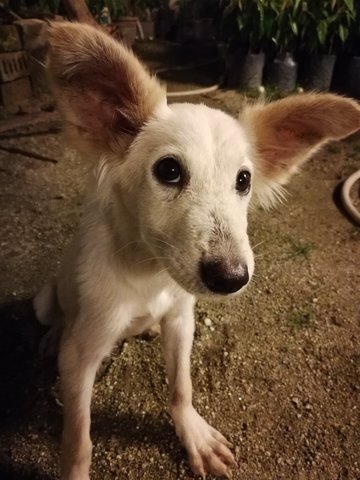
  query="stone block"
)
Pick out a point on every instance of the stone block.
point(15, 94)
point(33, 32)
point(9, 39)
point(34, 37)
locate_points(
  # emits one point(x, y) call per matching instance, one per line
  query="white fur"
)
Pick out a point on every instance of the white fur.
point(135, 261)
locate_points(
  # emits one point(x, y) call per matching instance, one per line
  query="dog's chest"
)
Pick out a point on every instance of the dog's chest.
point(148, 310)
point(158, 305)
point(150, 298)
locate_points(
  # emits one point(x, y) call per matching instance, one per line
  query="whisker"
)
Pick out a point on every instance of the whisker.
point(151, 258)
point(260, 243)
point(158, 273)
point(165, 243)
point(123, 247)
point(154, 234)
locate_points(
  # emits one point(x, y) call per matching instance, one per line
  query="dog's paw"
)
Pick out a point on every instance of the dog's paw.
point(152, 332)
point(207, 449)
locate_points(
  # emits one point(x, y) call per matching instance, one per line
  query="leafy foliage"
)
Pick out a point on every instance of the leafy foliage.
point(195, 9)
point(24, 7)
point(316, 26)
point(249, 22)
point(286, 29)
point(117, 8)
point(326, 25)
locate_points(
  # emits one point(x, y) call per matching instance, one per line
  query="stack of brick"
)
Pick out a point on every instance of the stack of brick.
point(15, 84)
point(34, 38)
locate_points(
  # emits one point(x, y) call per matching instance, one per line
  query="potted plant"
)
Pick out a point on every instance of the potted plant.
point(117, 17)
point(196, 20)
point(146, 11)
point(281, 72)
point(325, 28)
point(126, 23)
point(247, 25)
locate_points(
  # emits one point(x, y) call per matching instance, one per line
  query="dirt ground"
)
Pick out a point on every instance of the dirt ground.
point(277, 370)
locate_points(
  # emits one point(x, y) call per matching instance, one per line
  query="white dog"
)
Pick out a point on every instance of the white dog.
point(165, 221)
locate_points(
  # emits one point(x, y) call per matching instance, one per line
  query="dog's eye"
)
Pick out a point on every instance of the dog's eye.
point(168, 170)
point(243, 182)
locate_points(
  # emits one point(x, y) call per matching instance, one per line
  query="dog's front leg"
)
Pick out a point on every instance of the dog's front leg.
point(81, 352)
point(208, 450)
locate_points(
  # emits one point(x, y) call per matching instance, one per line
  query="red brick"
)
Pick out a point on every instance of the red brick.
point(13, 65)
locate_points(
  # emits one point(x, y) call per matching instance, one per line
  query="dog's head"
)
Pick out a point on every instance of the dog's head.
point(183, 173)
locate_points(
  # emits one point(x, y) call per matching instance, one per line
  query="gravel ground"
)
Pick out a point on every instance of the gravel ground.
point(277, 370)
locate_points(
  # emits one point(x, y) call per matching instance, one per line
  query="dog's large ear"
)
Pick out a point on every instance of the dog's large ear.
point(285, 133)
point(104, 92)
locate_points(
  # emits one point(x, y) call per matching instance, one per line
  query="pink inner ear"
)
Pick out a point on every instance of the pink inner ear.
point(286, 135)
point(91, 114)
point(100, 113)
point(297, 135)
point(280, 145)
point(283, 145)
point(286, 132)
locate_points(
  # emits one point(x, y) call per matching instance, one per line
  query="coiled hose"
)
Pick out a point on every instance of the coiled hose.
point(346, 199)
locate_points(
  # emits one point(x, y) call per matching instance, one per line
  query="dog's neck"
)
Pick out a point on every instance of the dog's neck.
point(127, 245)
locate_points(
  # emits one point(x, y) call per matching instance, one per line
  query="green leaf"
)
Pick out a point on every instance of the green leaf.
point(262, 17)
point(297, 3)
point(322, 32)
point(240, 23)
point(294, 28)
point(332, 19)
point(343, 33)
point(350, 5)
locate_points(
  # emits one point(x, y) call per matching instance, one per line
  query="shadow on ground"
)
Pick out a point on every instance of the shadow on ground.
point(24, 379)
point(26, 386)
point(132, 428)
point(21, 472)
point(22, 373)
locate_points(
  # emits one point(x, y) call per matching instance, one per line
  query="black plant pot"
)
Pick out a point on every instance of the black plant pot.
point(200, 30)
point(148, 29)
point(282, 73)
point(245, 71)
point(319, 72)
point(353, 77)
point(165, 25)
point(339, 83)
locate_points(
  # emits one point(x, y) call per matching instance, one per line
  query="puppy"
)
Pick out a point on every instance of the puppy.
point(165, 220)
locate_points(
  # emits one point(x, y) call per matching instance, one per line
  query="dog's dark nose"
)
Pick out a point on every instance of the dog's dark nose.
point(223, 277)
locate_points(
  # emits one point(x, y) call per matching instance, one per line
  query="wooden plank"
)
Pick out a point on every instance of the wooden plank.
point(24, 121)
point(78, 10)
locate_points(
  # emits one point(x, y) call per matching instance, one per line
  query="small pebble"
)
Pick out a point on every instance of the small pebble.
point(207, 322)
